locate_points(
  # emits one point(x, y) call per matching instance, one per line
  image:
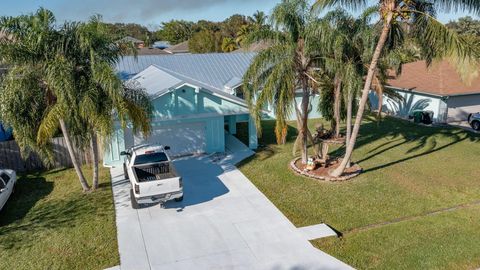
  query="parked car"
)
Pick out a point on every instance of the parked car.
point(474, 121)
point(152, 175)
point(8, 179)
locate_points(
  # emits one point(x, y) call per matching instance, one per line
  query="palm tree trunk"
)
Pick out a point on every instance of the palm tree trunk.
point(336, 105)
point(363, 101)
point(75, 163)
point(309, 134)
point(380, 106)
point(349, 121)
point(94, 148)
point(304, 121)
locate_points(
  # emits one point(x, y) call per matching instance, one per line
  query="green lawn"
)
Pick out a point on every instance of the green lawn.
point(50, 224)
point(409, 170)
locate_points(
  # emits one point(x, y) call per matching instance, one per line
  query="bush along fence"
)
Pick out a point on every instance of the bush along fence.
point(10, 157)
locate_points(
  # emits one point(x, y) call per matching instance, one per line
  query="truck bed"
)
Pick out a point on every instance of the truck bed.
point(154, 172)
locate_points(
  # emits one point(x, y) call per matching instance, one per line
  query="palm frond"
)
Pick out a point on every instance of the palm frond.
point(458, 5)
point(350, 4)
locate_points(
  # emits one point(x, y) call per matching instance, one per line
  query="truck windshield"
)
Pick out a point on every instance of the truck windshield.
point(151, 158)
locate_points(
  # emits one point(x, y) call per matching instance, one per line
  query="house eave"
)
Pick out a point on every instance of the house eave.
point(406, 90)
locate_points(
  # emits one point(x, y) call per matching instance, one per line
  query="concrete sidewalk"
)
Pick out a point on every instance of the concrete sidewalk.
point(224, 222)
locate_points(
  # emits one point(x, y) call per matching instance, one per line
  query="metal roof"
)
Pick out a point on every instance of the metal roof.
point(214, 70)
point(156, 81)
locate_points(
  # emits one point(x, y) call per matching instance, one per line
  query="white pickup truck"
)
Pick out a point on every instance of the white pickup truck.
point(152, 175)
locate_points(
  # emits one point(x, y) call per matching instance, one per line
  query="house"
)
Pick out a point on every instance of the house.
point(179, 48)
point(196, 99)
point(254, 47)
point(438, 88)
point(136, 42)
point(151, 51)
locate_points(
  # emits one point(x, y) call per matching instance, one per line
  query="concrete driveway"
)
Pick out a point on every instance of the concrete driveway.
point(224, 222)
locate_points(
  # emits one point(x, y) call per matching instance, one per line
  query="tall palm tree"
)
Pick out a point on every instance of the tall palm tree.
point(32, 52)
point(280, 71)
point(436, 40)
point(258, 19)
point(102, 97)
point(66, 74)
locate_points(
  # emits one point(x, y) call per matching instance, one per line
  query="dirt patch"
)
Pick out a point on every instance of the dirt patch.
point(323, 173)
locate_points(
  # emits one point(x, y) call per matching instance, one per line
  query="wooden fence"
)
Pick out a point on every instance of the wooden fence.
point(10, 157)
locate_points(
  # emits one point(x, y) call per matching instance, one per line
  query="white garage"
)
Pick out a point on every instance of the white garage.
point(183, 139)
point(438, 88)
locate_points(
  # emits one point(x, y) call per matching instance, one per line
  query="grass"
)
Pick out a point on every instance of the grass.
point(410, 170)
point(50, 224)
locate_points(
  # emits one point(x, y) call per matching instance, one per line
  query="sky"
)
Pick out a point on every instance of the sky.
point(150, 12)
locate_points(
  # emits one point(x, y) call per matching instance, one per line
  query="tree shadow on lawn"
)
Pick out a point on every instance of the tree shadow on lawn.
point(26, 214)
point(29, 189)
point(426, 139)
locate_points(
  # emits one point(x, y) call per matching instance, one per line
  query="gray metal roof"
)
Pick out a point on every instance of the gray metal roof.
point(214, 70)
point(156, 81)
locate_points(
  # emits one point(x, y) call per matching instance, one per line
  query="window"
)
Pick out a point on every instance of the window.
point(5, 177)
point(151, 158)
point(2, 184)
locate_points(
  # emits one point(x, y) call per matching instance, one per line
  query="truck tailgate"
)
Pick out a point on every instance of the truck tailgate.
point(157, 187)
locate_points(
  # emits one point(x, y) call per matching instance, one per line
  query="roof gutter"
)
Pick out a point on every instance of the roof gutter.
point(415, 92)
point(430, 94)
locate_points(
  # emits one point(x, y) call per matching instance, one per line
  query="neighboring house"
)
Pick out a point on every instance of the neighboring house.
point(438, 88)
point(179, 48)
point(136, 42)
point(151, 51)
point(196, 98)
point(254, 47)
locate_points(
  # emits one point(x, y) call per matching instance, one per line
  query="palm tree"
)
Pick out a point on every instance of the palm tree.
point(32, 52)
point(102, 97)
point(286, 67)
point(66, 74)
point(228, 44)
point(243, 33)
point(436, 40)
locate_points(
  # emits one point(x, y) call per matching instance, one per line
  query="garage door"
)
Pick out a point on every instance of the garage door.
point(183, 139)
point(460, 107)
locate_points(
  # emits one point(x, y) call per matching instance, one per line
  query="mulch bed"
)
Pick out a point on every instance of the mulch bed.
point(322, 173)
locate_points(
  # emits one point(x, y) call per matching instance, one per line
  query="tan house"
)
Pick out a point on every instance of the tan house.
point(438, 88)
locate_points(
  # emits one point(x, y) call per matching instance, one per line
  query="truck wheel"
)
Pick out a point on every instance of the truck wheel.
point(476, 125)
point(135, 204)
point(125, 171)
point(179, 199)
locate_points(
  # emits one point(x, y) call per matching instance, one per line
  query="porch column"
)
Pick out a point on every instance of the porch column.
point(232, 124)
point(252, 134)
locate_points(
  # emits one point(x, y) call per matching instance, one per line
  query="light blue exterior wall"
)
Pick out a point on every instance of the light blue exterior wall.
point(182, 106)
point(188, 101)
point(116, 144)
point(215, 135)
point(188, 104)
